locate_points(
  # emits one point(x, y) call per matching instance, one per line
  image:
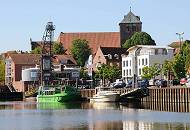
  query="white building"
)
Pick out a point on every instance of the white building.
point(144, 55)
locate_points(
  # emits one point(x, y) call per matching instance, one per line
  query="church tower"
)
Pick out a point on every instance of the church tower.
point(128, 26)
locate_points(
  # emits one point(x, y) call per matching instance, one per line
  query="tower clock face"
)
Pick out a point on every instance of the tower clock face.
point(46, 64)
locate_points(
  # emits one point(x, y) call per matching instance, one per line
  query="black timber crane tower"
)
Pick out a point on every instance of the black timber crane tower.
point(47, 55)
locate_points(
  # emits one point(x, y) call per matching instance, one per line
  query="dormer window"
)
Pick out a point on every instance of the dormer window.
point(156, 51)
point(164, 51)
point(116, 56)
point(109, 56)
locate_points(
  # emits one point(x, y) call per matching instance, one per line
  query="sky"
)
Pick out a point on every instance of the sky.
point(21, 20)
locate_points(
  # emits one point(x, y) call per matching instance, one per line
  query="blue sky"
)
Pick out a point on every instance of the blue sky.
point(24, 19)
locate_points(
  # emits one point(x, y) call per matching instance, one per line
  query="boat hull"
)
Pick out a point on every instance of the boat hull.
point(58, 98)
point(105, 98)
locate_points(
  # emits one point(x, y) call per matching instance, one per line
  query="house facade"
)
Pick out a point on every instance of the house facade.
point(111, 56)
point(17, 63)
point(144, 55)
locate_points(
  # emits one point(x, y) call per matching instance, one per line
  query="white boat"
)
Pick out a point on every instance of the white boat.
point(105, 95)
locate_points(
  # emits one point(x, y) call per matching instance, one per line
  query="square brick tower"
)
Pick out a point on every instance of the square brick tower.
point(128, 26)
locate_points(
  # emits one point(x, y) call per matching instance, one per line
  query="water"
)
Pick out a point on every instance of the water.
point(88, 116)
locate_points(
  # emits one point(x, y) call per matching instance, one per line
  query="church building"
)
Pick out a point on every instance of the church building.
point(128, 26)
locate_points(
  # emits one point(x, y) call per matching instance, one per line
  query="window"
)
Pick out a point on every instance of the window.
point(127, 63)
point(139, 62)
point(123, 72)
point(142, 61)
point(139, 71)
point(130, 62)
point(123, 63)
point(134, 28)
point(156, 51)
point(129, 71)
point(164, 51)
point(127, 29)
point(146, 61)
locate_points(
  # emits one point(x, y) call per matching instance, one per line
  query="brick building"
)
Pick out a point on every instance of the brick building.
point(128, 26)
point(109, 55)
point(15, 63)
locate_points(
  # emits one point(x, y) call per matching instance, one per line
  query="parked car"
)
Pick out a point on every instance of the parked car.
point(152, 82)
point(129, 84)
point(119, 84)
point(141, 83)
point(183, 81)
point(175, 82)
point(161, 83)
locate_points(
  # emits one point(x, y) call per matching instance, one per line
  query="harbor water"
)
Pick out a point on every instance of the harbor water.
point(30, 115)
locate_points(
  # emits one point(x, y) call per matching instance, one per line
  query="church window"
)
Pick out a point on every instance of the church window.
point(134, 28)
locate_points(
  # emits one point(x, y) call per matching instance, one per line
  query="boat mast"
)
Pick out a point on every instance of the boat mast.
point(46, 54)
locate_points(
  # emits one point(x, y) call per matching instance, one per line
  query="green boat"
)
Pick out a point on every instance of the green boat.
point(58, 94)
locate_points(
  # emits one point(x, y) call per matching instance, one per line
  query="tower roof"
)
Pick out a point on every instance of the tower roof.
point(131, 18)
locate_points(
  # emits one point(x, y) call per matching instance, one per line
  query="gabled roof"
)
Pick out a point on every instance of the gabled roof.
point(32, 59)
point(25, 59)
point(113, 52)
point(95, 39)
point(64, 59)
point(131, 18)
point(176, 44)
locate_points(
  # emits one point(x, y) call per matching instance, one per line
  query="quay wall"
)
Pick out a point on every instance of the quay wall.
point(168, 95)
point(165, 95)
point(168, 99)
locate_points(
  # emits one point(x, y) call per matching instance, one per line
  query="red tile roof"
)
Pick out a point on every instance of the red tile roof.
point(176, 44)
point(95, 39)
point(28, 59)
point(25, 58)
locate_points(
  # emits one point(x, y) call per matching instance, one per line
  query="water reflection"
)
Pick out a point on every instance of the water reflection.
point(88, 116)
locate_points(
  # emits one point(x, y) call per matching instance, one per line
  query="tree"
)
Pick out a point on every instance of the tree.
point(83, 73)
point(139, 38)
point(106, 72)
point(151, 72)
point(181, 61)
point(37, 50)
point(185, 51)
point(167, 68)
point(2, 72)
point(58, 48)
point(80, 51)
point(179, 66)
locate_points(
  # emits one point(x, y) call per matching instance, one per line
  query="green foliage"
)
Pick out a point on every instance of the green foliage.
point(108, 72)
point(167, 67)
point(2, 71)
point(179, 66)
point(58, 48)
point(181, 61)
point(139, 38)
point(186, 54)
point(37, 50)
point(83, 73)
point(151, 72)
point(80, 51)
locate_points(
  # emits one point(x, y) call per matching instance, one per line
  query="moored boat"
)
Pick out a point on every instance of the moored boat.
point(58, 94)
point(105, 95)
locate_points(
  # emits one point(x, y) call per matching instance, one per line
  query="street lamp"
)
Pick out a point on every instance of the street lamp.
point(180, 38)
